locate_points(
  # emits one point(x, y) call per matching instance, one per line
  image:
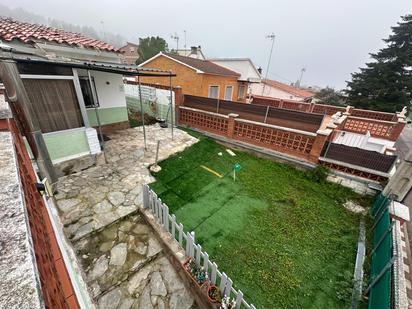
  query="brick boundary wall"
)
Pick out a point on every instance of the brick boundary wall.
point(380, 124)
point(378, 128)
point(55, 282)
point(323, 108)
point(301, 144)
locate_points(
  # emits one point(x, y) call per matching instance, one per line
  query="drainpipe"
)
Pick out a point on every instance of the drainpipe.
point(171, 103)
point(94, 96)
point(24, 113)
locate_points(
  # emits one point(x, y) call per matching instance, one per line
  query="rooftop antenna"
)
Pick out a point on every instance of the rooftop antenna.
point(176, 38)
point(184, 31)
point(300, 78)
point(272, 37)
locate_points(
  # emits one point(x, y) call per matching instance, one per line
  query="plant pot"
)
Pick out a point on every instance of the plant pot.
point(211, 294)
point(192, 277)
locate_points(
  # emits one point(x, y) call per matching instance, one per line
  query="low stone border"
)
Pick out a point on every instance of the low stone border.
point(176, 256)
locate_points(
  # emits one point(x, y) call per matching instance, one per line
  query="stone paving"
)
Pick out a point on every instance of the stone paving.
point(123, 262)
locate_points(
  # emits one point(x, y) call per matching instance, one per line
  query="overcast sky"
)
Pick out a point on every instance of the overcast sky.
point(330, 38)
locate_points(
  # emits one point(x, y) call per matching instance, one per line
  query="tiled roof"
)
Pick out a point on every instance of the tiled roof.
point(11, 29)
point(287, 88)
point(203, 65)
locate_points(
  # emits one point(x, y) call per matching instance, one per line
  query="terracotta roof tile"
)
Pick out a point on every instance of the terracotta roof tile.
point(287, 88)
point(203, 65)
point(11, 29)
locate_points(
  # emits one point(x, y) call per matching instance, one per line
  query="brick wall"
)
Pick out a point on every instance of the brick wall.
point(55, 282)
point(304, 145)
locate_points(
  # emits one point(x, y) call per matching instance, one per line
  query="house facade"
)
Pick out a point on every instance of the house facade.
point(249, 75)
point(69, 85)
point(129, 53)
point(193, 52)
point(195, 76)
point(275, 89)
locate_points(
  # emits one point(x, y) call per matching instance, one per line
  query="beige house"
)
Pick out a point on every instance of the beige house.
point(278, 90)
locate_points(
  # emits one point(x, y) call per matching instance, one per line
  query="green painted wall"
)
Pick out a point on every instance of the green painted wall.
point(66, 143)
point(108, 115)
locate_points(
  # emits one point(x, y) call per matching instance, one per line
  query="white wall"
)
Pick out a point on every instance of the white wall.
point(256, 89)
point(110, 88)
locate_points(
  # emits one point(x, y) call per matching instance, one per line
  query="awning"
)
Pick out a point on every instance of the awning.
point(117, 68)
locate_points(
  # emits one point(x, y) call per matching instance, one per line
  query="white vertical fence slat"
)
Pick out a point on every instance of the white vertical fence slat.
point(181, 234)
point(166, 217)
point(199, 249)
point(239, 298)
point(206, 262)
point(174, 226)
point(228, 288)
point(213, 275)
point(223, 284)
point(163, 217)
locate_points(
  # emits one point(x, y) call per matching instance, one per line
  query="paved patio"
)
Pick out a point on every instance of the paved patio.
point(123, 262)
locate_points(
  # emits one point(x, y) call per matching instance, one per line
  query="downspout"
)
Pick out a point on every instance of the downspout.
point(20, 101)
point(171, 103)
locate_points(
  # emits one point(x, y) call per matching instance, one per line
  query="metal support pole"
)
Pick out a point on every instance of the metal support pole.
point(94, 97)
point(171, 103)
point(378, 277)
point(157, 152)
point(142, 112)
point(267, 112)
point(20, 101)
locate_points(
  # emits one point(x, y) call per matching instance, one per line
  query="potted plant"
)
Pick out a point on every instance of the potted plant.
point(197, 273)
point(213, 293)
point(228, 303)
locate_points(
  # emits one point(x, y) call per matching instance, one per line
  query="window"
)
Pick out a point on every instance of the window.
point(214, 92)
point(132, 49)
point(241, 92)
point(228, 93)
point(87, 92)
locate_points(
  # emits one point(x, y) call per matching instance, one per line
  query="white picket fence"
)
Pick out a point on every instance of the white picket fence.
point(187, 242)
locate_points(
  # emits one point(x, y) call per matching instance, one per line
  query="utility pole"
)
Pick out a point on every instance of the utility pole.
point(300, 78)
point(176, 38)
point(20, 101)
point(271, 37)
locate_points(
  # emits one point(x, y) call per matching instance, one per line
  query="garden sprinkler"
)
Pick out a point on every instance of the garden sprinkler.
point(236, 168)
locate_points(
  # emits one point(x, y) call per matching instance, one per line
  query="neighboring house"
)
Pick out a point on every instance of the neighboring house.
point(196, 77)
point(247, 70)
point(193, 52)
point(130, 53)
point(54, 66)
point(278, 90)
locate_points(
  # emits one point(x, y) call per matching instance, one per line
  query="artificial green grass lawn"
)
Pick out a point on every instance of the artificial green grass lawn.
point(284, 240)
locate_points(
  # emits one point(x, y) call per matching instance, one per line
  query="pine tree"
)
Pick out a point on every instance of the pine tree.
point(385, 84)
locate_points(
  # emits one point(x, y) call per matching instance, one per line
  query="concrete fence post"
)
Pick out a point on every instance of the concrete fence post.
point(231, 125)
point(281, 104)
point(179, 100)
point(322, 137)
point(397, 130)
point(311, 107)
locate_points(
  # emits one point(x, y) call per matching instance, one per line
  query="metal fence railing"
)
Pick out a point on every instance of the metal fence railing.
point(155, 102)
point(379, 288)
point(193, 250)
